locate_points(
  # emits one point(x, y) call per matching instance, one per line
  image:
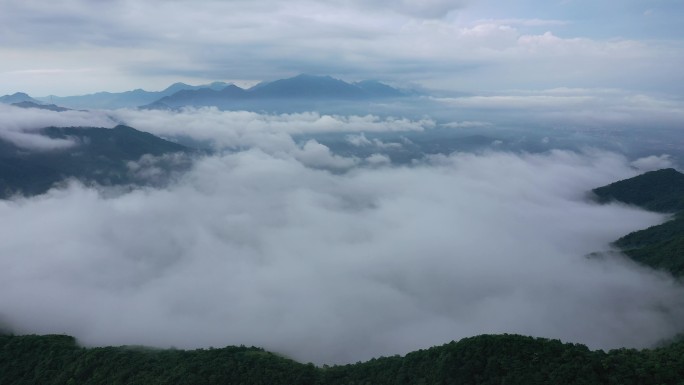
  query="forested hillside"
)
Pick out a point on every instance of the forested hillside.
point(661, 190)
point(662, 246)
point(486, 359)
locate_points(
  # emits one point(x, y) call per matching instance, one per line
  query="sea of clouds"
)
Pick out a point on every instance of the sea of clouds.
point(331, 259)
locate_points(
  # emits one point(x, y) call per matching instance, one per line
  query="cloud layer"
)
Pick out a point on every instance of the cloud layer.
point(19, 126)
point(259, 249)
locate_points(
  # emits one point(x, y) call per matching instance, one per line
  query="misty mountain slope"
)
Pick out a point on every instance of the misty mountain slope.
point(98, 155)
point(667, 255)
point(133, 98)
point(49, 107)
point(199, 97)
point(485, 359)
point(661, 190)
point(378, 89)
point(661, 246)
point(308, 86)
point(17, 97)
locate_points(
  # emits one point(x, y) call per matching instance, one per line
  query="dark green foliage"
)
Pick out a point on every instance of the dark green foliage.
point(58, 360)
point(100, 156)
point(487, 359)
point(668, 256)
point(661, 190)
point(662, 246)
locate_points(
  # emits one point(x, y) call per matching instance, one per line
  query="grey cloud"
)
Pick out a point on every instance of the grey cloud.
point(597, 107)
point(65, 23)
point(253, 248)
point(414, 8)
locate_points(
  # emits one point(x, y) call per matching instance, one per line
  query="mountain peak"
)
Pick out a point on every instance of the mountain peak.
point(18, 97)
point(308, 86)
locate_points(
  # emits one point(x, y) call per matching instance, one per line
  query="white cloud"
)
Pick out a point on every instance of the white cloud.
point(314, 154)
point(37, 142)
point(269, 132)
point(359, 140)
point(466, 124)
point(599, 107)
point(19, 126)
point(378, 160)
point(258, 249)
point(653, 162)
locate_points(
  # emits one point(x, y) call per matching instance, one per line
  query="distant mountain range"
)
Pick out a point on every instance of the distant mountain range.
point(303, 92)
point(50, 107)
point(130, 99)
point(301, 88)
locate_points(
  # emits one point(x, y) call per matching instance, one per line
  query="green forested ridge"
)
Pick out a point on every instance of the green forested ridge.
point(661, 190)
point(486, 359)
point(662, 246)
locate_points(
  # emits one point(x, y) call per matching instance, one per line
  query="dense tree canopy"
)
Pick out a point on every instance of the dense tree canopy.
point(661, 190)
point(486, 359)
point(662, 246)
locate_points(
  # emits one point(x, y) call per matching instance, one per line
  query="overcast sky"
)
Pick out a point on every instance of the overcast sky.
point(67, 47)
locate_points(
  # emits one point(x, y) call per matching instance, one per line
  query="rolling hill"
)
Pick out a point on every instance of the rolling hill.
point(485, 359)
